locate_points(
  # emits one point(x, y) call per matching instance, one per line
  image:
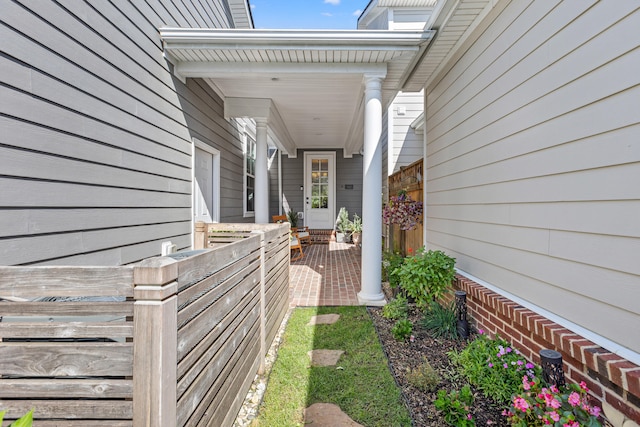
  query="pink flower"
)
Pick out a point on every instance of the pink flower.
point(571, 424)
point(554, 416)
point(520, 403)
point(583, 386)
point(574, 399)
point(525, 383)
point(505, 366)
point(595, 411)
point(490, 365)
point(529, 365)
point(480, 331)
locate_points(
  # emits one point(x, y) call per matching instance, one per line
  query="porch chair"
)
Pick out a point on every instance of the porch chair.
point(302, 233)
point(294, 242)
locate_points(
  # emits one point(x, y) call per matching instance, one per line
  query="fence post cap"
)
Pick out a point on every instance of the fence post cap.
point(155, 271)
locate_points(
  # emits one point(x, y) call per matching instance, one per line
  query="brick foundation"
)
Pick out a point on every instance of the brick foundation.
point(611, 378)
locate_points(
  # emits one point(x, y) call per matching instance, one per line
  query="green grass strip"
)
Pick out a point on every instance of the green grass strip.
point(360, 384)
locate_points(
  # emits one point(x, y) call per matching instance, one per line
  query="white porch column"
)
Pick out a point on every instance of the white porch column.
point(371, 276)
point(261, 185)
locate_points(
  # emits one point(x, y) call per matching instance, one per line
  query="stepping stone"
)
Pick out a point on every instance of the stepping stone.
point(327, 415)
point(323, 319)
point(324, 357)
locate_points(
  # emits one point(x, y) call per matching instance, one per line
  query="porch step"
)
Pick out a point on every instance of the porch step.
point(320, 236)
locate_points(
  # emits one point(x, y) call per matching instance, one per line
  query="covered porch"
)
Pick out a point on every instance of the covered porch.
point(317, 96)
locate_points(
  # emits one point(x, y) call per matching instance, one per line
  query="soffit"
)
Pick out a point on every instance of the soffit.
point(453, 24)
point(241, 13)
point(314, 78)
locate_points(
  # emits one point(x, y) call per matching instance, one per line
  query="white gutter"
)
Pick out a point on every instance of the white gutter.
point(199, 38)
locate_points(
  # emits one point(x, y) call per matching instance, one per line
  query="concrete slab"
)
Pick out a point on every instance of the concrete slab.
point(324, 357)
point(327, 415)
point(323, 319)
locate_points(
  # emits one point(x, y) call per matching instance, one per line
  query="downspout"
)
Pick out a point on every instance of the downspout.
point(279, 182)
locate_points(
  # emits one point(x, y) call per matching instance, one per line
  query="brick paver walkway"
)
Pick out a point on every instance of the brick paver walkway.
point(326, 275)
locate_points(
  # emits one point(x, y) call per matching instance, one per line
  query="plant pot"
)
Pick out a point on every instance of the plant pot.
point(357, 238)
point(340, 237)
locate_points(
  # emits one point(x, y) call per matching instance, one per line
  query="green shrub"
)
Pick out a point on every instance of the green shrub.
point(494, 367)
point(391, 262)
point(455, 407)
point(396, 308)
point(441, 320)
point(427, 276)
point(423, 377)
point(25, 421)
point(402, 329)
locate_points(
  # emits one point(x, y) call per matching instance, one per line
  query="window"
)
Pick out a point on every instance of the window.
point(249, 175)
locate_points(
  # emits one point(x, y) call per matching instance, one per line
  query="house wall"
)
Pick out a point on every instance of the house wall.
point(97, 134)
point(348, 171)
point(406, 145)
point(533, 161)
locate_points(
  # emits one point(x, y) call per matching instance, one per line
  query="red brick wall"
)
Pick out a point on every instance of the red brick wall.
point(610, 377)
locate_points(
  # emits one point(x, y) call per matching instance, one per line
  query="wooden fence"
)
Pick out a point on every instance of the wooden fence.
point(170, 341)
point(408, 179)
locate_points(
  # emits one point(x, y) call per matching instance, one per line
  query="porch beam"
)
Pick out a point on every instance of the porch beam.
point(371, 293)
point(250, 69)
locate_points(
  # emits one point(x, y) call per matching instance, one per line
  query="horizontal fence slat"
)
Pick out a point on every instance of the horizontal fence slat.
point(66, 330)
point(193, 363)
point(71, 409)
point(68, 359)
point(196, 267)
point(196, 290)
point(116, 309)
point(32, 282)
point(249, 346)
point(69, 388)
point(191, 333)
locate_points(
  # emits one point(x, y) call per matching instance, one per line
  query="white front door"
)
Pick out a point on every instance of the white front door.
point(206, 183)
point(319, 189)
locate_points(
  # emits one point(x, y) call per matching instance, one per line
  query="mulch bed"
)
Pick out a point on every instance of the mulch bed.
point(406, 355)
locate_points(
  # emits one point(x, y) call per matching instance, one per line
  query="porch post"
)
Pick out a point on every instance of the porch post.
point(371, 276)
point(261, 185)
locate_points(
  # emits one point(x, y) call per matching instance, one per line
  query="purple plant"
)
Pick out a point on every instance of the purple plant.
point(403, 211)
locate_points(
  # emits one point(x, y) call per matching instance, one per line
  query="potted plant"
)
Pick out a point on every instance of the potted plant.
point(292, 217)
point(356, 230)
point(342, 225)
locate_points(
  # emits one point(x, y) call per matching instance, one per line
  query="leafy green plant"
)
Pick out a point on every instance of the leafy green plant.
point(455, 407)
point(402, 329)
point(356, 224)
point(292, 217)
point(494, 366)
point(391, 262)
point(427, 276)
point(24, 421)
point(343, 224)
point(441, 320)
point(396, 309)
point(423, 377)
point(537, 405)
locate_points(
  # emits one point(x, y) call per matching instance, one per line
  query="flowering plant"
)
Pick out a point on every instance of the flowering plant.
point(403, 211)
point(565, 406)
point(494, 366)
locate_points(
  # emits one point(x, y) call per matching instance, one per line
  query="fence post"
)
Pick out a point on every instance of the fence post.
point(263, 311)
point(200, 235)
point(155, 342)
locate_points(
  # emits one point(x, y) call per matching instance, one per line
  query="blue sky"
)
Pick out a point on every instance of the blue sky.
point(307, 14)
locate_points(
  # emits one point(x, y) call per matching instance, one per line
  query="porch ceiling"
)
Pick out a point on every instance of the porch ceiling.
point(314, 78)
